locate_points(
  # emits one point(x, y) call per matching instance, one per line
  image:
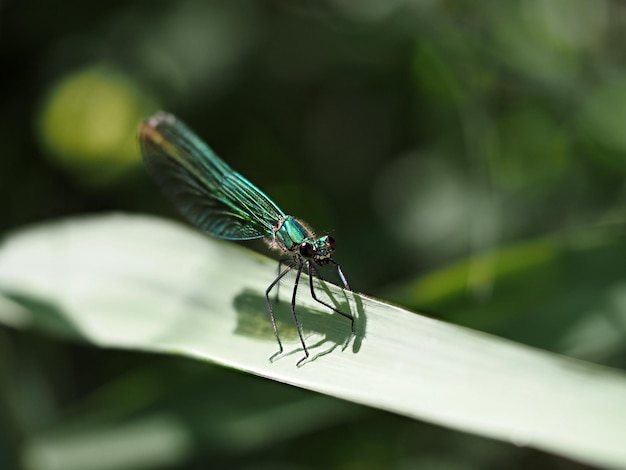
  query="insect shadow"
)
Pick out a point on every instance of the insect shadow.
point(320, 325)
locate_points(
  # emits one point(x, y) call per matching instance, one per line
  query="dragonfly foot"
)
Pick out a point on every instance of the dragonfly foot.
point(299, 363)
point(276, 354)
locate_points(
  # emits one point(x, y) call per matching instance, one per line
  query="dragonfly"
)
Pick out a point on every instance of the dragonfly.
point(221, 202)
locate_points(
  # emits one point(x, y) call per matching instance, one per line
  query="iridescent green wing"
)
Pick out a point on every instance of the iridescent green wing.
point(205, 190)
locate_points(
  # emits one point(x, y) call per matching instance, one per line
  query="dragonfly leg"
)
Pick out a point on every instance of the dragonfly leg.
point(295, 317)
point(312, 269)
point(281, 262)
point(343, 278)
point(269, 303)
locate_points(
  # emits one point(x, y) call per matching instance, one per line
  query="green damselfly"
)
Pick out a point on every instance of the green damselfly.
point(221, 202)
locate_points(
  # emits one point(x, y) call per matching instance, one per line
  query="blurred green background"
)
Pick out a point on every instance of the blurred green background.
point(469, 158)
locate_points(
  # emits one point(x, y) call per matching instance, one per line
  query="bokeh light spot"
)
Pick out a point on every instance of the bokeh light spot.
point(88, 124)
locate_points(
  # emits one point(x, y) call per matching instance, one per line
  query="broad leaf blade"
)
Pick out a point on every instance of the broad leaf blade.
point(147, 284)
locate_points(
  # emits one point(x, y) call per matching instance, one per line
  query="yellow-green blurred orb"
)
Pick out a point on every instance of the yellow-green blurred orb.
point(89, 122)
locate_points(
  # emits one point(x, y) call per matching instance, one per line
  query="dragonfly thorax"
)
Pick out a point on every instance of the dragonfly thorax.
point(292, 235)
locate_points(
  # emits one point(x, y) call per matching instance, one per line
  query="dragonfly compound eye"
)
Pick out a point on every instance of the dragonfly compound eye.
point(331, 243)
point(306, 250)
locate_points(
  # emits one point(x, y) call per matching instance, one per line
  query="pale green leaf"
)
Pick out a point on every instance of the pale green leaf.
point(146, 284)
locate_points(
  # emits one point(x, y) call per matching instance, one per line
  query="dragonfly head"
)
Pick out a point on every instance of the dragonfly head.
point(319, 250)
